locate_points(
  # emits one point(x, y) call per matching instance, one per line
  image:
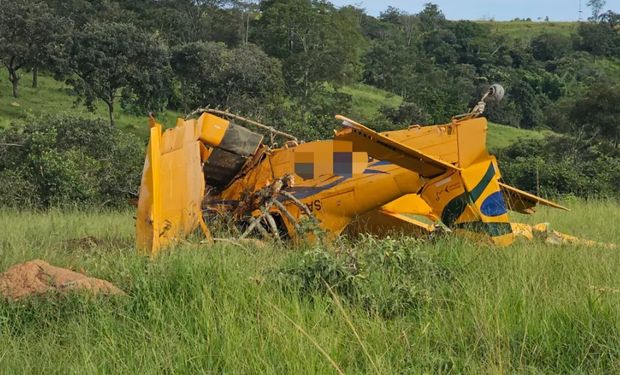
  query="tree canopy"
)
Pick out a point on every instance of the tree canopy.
point(115, 60)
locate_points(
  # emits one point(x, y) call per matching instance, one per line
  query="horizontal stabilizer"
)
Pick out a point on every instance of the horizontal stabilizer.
point(381, 223)
point(523, 202)
point(381, 147)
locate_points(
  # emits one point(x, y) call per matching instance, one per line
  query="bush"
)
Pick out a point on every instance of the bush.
point(64, 160)
point(406, 114)
point(312, 118)
point(387, 277)
point(243, 79)
point(560, 165)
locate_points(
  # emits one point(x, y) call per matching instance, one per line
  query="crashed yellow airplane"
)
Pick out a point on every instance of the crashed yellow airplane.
point(360, 181)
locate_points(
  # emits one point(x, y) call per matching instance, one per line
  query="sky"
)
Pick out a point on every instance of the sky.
point(556, 10)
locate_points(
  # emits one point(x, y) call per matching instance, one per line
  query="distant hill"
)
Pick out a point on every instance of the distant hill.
point(367, 100)
point(526, 30)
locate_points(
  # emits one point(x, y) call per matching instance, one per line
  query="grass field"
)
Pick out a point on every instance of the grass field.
point(55, 97)
point(367, 100)
point(397, 306)
point(526, 30)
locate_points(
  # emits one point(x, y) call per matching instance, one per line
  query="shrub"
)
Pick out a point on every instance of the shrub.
point(384, 277)
point(562, 165)
point(64, 160)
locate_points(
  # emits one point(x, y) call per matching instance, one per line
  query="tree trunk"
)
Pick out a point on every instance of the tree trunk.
point(14, 78)
point(247, 31)
point(35, 77)
point(111, 111)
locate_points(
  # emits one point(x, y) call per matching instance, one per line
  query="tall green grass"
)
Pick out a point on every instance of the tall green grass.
point(389, 306)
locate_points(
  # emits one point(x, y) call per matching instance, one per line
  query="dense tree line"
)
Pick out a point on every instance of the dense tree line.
point(284, 61)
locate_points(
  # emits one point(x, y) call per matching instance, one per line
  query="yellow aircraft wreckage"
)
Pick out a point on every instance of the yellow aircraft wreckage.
point(419, 180)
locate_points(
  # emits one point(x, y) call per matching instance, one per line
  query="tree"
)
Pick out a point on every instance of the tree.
point(13, 38)
point(550, 46)
point(30, 35)
point(68, 160)
point(244, 79)
point(597, 7)
point(48, 34)
point(112, 60)
point(82, 12)
point(431, 18)
point(596, 113)
point(187, 21)
point(610, 18)
point(315, 41)
point(599, 39)
point(528, 103)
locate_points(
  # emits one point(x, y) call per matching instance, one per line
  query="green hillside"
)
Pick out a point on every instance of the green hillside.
point(526, 30)
point(501, 136)
point(367, 100)
point(55, 97)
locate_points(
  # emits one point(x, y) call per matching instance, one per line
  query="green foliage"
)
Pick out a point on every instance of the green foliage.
point(107, 58)
point(406, 114)
point(560, 165)
point(387, 278)
point(596, 114)
point(59, 161)
point(597, 7)
point(549, 46)
point(243, 79)
point(186, 21)
point(31, 36)
point(318, 271)
point(311, 118)
point(600, 39)
point(315, 41)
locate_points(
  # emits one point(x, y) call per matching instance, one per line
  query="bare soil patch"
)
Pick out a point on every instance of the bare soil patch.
point(39, 277)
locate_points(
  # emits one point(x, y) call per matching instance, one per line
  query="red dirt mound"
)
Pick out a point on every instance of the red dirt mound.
point(39, 277)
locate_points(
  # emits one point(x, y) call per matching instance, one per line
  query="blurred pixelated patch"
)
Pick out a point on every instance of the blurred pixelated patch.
point(329, 158)
point(304, 165)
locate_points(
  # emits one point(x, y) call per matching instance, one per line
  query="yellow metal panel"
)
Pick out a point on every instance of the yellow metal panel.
point(149, 205)
point(472, 139)
point(411, 204)
point(172, 190)
point(438, 140)
point(211, 129)
point(439, 192)
point(381, 223)
point(381, 147)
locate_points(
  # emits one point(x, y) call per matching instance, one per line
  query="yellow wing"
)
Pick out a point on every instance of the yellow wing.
point(380, 147)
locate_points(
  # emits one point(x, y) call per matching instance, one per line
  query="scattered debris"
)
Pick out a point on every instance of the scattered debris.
point(39, 277)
